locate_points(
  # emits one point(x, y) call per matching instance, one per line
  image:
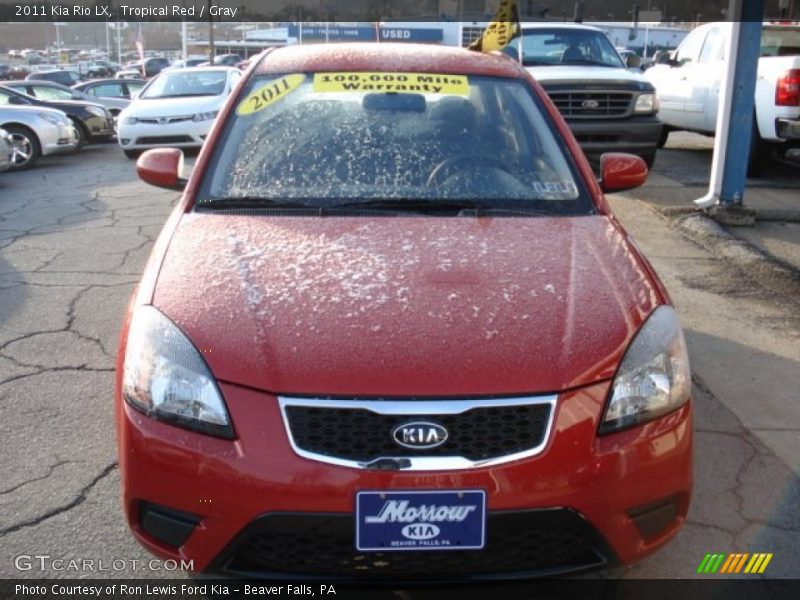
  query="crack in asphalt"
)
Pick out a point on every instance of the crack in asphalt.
point(77, 501)
point(50, 470)
point(756, 452)
point(82, 369)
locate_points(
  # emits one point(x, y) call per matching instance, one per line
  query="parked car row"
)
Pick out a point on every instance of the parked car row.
point(113, 94)
point(44, 117)
point(92, 121)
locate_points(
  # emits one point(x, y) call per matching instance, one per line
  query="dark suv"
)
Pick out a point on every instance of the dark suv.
point(608, 107)
point(64, 77)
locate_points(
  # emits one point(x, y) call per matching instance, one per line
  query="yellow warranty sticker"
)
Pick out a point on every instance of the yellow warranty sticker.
point(269, 94)
point(456, 85)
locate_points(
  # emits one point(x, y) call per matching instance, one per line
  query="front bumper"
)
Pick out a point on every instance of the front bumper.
point(184, 134)
point(100, 128)
point(59, 139)
point(788, 129)
point(636, 135)
point(229, 489)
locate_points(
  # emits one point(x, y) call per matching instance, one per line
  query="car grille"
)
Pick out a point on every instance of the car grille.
point(165, 120)
point(477, 434)
point(597, 138)
point(526, 542)
point(592, 105)
point(165, 139)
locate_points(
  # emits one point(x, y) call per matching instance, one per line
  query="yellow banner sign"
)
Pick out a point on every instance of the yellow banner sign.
point(269, 94)
point(431, 83)
point(503, 28)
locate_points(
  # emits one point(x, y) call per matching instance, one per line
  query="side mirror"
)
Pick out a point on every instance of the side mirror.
point(634, 61)
point(162, 167)
point(620, 172)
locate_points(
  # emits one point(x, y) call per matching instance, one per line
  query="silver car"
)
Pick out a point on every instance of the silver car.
point(36, 131)
point(5, 150)
point(114, 94)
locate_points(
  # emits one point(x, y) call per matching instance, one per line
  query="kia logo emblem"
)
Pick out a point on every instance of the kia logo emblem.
point(590, 104)
point(420, 435)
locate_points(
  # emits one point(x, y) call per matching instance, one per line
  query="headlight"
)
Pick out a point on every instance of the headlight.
point(646, 103)
point(653, 378)
point(131, 120)
point(97, 111)
point(165, 377)
point(206, 116)
point(54, 118)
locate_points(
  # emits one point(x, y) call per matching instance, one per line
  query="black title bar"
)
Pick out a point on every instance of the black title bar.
point(470, 11)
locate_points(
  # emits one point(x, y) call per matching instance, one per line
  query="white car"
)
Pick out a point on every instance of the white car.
point(176, 109)
point(688, 87)
point(36, 131)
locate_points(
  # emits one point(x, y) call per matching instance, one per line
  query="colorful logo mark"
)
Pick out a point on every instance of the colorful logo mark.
point(742, 562)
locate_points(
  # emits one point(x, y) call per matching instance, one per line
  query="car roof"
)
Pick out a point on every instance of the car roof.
point(216, 68)
point(45, 82)
point(51, 71)
point(386, 57)
point(105, 80)
point(559, 25)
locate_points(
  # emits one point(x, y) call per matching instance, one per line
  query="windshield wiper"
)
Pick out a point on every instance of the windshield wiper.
point(413, 204)
point(431, 205)
point(240, 202)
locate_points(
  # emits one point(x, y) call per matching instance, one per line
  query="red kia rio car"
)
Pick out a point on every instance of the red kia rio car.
point(393, 330)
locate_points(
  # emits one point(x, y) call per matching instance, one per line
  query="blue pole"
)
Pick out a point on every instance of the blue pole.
point(750, 14)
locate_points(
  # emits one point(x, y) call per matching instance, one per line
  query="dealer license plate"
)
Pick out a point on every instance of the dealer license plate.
point(420, 520)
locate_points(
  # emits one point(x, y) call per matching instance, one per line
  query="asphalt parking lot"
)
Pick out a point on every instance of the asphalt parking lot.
point(74, 236)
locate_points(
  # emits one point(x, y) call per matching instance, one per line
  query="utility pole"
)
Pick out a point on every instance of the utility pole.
point(737, 98)
point(579, 6)
point(210, 35)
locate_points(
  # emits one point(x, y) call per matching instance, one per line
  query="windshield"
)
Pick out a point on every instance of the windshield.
point(329, 139)
point(566, 46)
point(780, 41)
point(186, 83)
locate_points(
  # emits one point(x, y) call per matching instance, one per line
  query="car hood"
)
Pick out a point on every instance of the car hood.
point(29, 108)
point(584, 74)
point(173, 107)
point(405, 306)
point(71, 104)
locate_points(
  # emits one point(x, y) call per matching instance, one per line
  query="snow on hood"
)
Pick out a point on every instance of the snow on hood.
point(405, 306)
point(583, 73)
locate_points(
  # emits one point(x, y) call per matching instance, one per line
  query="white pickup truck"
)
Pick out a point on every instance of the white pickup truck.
point(688, 87)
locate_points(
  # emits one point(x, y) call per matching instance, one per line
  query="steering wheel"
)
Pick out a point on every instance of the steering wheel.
point(444, 169)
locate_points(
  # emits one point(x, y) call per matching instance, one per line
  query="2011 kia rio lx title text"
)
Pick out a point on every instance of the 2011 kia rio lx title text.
point(392, 330)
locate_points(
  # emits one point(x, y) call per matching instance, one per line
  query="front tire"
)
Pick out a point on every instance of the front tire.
point(82, 134)
point(662, 140)
point(132, 154)
point(26, 149)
